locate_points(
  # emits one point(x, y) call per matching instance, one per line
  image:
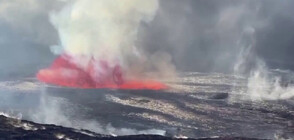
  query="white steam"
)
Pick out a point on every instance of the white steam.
point(241, 24)
point(103, 30)
point(262, 86)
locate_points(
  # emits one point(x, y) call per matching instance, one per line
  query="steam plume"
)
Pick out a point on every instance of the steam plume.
point(103, 30)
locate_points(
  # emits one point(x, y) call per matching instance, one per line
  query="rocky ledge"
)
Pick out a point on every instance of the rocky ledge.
point(15, 129)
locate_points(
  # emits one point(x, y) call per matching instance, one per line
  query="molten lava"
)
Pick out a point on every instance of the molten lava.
point(97, 74)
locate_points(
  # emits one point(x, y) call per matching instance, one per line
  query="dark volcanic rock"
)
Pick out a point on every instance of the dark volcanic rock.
point(14, 129)
point(17, 129)
point(219, 96)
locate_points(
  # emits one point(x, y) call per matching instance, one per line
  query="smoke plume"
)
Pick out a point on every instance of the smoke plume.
point(104, 30)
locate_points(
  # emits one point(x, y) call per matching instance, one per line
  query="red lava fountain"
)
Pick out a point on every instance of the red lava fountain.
point(65, 73)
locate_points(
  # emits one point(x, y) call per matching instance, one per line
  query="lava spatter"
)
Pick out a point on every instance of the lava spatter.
point(65, 73)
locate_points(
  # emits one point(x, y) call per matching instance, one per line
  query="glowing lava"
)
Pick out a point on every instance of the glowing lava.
point(97, 74)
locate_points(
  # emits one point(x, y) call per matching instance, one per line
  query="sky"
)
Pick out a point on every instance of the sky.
point(199, 35)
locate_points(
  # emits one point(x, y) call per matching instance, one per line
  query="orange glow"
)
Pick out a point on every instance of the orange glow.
point(64, 73)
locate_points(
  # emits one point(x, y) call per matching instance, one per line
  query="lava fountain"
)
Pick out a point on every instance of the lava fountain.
point(63, 72)
point(97, 44)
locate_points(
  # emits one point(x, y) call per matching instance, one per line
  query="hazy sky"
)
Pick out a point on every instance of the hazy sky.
point(200, 35)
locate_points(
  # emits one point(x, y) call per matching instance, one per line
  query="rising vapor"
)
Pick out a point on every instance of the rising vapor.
point(98, 41)
point(101, 29)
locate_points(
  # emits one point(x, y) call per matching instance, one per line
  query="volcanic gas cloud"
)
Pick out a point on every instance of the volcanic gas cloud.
point(97, 42)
